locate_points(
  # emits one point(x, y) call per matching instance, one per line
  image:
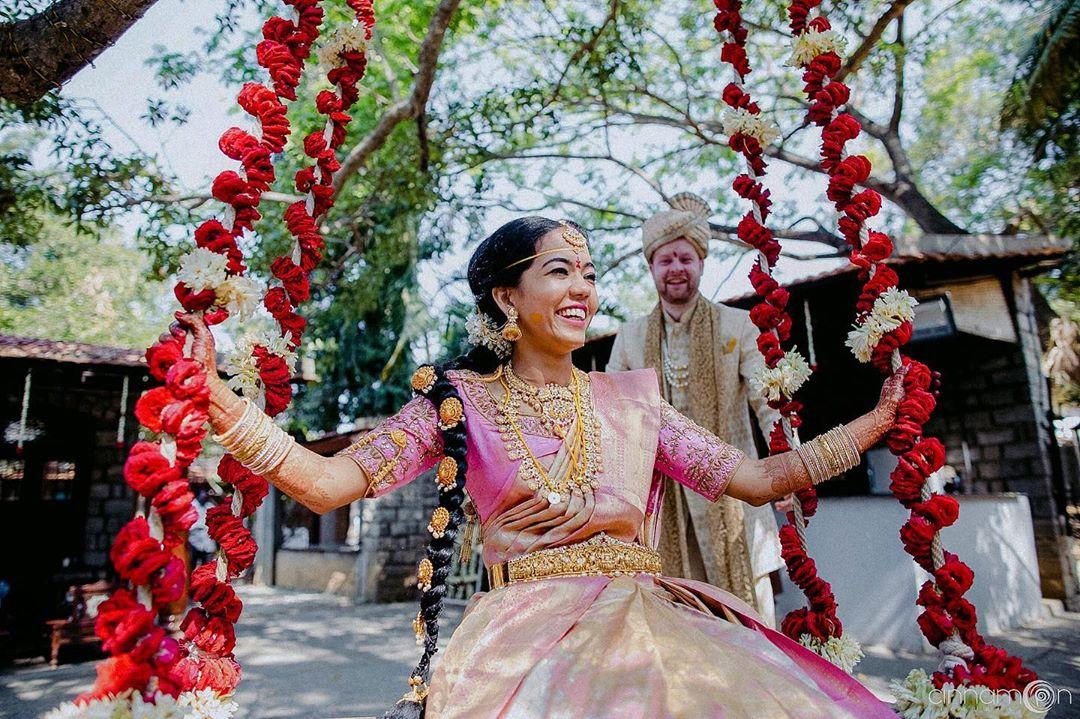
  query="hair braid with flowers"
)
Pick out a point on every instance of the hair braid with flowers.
point(439, 553)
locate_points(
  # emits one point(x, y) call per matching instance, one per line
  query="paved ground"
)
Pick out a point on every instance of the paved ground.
point(314, 656)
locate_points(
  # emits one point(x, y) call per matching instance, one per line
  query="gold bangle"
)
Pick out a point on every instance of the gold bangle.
point(230, 434)
point(848, 458)
point(829, 455)
point(280, 444)
point(810, 461)
point(845, 433)
point(253, 442)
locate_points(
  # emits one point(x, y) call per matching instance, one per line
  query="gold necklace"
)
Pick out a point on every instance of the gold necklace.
point(553, 403)
point(584, 451)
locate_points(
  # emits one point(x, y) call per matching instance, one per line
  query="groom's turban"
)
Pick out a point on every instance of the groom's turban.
point(688, 218)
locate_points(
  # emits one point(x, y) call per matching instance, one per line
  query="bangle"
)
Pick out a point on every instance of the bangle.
point(829, 455)
point(255, 441)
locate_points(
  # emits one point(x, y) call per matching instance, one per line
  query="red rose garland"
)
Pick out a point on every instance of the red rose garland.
point(883, 325)
point(209, 663)
point(143, 658)
point(786, 370)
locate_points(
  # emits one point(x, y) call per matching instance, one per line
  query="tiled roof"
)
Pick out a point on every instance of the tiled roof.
point(949, 248)
point(73, 352)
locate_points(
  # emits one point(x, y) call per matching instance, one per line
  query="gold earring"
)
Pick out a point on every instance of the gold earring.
point(510, 331)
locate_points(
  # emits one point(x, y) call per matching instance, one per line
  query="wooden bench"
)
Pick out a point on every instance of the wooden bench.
point(77, 629)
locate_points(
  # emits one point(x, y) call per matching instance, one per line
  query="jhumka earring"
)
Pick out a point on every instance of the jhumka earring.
point(510, 331)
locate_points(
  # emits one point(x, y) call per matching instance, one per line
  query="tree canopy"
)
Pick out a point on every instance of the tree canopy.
point(593, 111)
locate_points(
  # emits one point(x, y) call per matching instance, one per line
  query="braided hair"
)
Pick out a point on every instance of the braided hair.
point(489, 267)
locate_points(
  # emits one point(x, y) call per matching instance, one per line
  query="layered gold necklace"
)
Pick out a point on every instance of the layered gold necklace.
point(565, 412)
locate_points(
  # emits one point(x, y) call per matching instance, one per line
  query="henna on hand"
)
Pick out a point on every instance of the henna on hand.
point(786, 474)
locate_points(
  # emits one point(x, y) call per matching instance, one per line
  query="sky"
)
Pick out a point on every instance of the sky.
point(119, 83)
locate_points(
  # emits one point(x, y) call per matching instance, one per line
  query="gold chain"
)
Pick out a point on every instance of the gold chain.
point(583, 452)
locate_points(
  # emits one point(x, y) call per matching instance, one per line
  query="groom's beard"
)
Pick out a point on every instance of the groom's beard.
point(678, 288)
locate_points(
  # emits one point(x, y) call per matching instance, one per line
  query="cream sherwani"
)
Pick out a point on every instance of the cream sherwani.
point(736, 360)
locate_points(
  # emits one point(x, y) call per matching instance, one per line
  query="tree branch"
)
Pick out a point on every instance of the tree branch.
point(411, 107)
point(855, 60)
point(42, 52)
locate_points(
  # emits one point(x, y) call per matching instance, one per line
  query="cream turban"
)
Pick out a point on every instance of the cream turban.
point(687, 218)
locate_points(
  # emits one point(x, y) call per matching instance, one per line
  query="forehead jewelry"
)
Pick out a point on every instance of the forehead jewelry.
point(572, 237)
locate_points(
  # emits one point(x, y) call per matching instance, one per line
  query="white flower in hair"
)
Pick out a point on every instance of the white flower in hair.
point(740, 120)
point(240, 295)
point(783, 380)
point(812, 43)
point(202, 269)
point(482, 332)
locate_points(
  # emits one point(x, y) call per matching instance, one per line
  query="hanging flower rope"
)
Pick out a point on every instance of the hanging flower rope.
point(816, 626)
point(884, 315)
point(150, 673)
point(263, 365)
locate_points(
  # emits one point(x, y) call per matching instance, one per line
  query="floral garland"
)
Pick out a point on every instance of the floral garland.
point(884, 315)
point(816, 626)
point(150, 674)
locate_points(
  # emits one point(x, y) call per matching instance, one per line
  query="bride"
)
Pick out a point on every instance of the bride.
point(563, 470)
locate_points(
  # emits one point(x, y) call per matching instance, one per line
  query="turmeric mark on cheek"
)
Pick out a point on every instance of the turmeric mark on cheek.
point(535, 317)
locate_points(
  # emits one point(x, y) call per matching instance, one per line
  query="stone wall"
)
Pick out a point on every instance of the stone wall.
point(393, 536)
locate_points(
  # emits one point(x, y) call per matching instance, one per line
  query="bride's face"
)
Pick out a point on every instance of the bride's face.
point(556, 298)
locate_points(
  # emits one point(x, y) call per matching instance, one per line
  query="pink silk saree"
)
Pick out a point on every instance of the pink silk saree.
point(595, 647)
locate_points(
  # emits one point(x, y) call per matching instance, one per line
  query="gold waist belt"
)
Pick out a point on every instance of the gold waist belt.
point(598, 555)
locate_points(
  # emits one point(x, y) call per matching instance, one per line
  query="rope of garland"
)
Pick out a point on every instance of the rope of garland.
point(145, 663)
point(786, 370)
point(883, 324)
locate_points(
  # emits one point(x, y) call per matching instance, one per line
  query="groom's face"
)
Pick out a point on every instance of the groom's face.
point(676, 270)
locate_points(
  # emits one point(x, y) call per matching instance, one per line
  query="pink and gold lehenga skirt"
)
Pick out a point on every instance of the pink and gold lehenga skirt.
point(635, 645)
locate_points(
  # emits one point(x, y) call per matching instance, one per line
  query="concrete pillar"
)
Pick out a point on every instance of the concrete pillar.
point(265, 530)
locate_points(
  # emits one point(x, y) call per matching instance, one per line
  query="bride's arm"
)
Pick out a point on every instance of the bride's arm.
point(758, 481)
point(698, 459)
point(395, 452)
point(319, 483)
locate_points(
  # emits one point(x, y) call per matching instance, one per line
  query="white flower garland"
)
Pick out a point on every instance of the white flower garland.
point(740, 120)
point(349, 38)
point(201, 269)
point(918, 698)
point(812, 43)
point(844, 652)
point(242, 366)
point(241, 295)
point(200, 704)
point(891, 309)
point(784, 379)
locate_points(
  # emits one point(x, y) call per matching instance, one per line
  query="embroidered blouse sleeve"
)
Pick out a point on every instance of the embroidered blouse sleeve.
point(693, 456)
point(400, 448)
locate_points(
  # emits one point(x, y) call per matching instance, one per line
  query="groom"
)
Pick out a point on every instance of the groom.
point(704, 354)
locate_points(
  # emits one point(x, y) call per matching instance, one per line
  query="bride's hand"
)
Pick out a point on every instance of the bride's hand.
point(892, 391)
point(202, 345)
